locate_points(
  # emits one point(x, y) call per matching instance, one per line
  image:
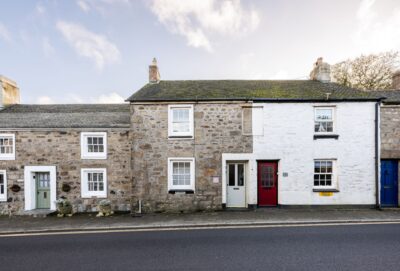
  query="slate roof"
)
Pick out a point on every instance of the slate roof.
point(278, 90)
point(391, 96)
point(66, 116)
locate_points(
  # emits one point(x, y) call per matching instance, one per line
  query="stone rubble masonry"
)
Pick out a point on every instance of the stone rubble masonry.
point(390, 132)
point(217, 130)
point(62, 149)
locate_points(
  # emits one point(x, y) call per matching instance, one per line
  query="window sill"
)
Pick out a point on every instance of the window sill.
point(185, 191)
point(325, 190)
point(326, 136)
point(7, 158)
point(180, 137)
point(94, 157)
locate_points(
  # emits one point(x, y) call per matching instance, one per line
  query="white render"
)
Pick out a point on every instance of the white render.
point(288, 130)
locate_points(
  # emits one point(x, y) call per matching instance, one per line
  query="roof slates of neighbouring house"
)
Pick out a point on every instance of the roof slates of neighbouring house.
point(66, 116)
point(246, 90)
point(391, 96)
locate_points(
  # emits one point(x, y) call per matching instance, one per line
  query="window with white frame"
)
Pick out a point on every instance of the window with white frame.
point(324, 173)
point(180, 121)
point(94, 145)
point(324, 120)
point(94, 182)
point(7, 147)
point(3, 185)
point(181, 174)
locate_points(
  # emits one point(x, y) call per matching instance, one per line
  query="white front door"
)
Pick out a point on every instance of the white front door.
point(236, 185)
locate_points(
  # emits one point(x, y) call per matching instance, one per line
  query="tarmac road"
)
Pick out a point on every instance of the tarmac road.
point(344, 247)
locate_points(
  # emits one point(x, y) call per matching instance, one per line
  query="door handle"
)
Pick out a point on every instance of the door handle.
point(235, 188)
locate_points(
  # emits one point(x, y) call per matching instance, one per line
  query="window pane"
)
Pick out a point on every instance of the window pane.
point(231, 175)
point(323, 114)
point(240, 175)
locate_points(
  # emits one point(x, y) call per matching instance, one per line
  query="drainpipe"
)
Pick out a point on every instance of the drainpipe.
point(377, 155)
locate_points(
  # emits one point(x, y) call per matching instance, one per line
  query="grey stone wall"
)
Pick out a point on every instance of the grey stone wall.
point(390, 132)
point(62, 149)
point(217, 130)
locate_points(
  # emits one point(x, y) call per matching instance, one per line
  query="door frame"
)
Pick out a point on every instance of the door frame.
point(277, 182)
point(30, 186)
point(245, 166)
point(398, 182)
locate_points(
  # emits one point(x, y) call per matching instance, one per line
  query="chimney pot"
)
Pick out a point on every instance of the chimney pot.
point(154, 74)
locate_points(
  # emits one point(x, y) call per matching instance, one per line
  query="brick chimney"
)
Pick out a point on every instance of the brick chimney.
point(154, 74)
point(9, 92)
point(396, 80)
point(321, 71)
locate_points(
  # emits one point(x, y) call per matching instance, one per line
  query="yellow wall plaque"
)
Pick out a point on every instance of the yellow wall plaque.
point(326, 194)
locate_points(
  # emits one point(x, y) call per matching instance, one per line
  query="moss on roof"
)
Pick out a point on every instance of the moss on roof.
point(245, 89)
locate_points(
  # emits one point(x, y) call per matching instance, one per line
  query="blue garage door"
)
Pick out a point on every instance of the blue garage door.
point(389, 182)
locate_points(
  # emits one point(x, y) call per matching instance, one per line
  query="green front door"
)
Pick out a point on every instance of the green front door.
point(43, 190)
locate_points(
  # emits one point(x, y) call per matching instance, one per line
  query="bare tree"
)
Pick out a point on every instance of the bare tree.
point(367, 72)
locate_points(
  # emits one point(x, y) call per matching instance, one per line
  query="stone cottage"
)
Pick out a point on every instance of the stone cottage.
point(212, 144)
point(79, 152)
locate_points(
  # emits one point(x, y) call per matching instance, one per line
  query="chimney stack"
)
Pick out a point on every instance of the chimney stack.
point(9, 92)
point(154, 74)
point(321, 71)
point(396, 80)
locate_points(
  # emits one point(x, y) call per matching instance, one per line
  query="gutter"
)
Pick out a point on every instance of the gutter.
point(270, 100)
point(377, 155)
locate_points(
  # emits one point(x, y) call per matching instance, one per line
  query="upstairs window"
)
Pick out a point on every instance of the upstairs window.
point(3, 185)
point(7, 147)
point(94, 145)
point(180, 121)
point(324, 120)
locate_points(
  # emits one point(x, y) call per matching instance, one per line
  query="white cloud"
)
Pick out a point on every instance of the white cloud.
point(88, 44)
point(48, 49)
point(83, 5)
point(196, 20)
point(45, 100)
point(40, 9)
point(112, 98)
point(377, 32)
point(4, 34)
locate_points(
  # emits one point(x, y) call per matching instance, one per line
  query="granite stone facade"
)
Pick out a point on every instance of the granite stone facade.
point(62, 148)
point(390, 132)
point(217, 129)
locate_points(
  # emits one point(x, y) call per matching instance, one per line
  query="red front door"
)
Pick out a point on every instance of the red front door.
point(267, 183)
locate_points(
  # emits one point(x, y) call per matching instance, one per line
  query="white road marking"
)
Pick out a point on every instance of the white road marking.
point(187, 228)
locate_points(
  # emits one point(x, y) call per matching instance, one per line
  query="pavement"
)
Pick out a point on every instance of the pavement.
point(220, 219)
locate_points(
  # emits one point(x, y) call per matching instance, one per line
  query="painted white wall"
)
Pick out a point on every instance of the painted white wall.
point(288, 130)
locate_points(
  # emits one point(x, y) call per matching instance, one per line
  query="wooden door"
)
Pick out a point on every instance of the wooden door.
point(42, 190)
point(389, 182)
point(267, 183)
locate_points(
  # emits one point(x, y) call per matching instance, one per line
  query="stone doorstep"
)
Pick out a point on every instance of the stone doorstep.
point(37, 213)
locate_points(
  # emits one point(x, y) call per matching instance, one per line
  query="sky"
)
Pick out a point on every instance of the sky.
point(98, 51)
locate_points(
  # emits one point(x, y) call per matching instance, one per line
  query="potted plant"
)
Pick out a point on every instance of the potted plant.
point(104, 208)
point(64, 207)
